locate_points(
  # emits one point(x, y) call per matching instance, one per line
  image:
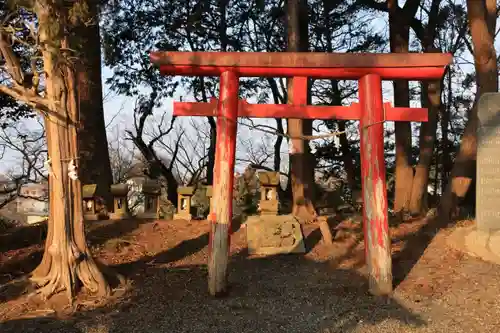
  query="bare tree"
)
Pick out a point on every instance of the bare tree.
point(123, 156)
point(192, 159)
point(25, 150)
point(171, 153)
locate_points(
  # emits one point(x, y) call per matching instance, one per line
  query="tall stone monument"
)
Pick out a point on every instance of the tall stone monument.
point(483, 239)
point(488, 163)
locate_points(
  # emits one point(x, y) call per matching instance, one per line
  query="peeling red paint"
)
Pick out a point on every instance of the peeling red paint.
point(227, 111)
point(375, 214)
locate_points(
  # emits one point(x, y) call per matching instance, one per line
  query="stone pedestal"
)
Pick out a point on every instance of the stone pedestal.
point(269, 203)
point(184, 195)
point(488, 164)
point(271, 235)
point(151, 191)
point(481, 244)
point(120, 202)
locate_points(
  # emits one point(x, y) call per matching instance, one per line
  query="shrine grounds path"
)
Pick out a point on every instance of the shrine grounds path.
point(438, 290)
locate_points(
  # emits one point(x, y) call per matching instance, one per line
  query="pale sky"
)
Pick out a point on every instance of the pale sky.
point(119, 114)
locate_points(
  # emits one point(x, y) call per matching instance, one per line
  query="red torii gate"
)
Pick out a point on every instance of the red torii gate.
point(369, 69)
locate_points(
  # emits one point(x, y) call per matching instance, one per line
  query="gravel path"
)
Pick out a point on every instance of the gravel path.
point(445, 292)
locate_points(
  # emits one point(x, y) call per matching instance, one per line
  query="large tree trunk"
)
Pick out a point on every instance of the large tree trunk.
point(431, 98)
point(347, 157)
point(94, 155)
point(67, 259)
point(399, 31)
point(301, 159)
point(482, 18)
point(445, 159)
point(211, 151)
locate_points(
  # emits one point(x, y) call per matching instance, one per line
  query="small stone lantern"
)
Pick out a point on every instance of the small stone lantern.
point(120, 202)
point(89, 202)
point(151, 192)
point(184, 195)
point(210, 196)
point(269, 182)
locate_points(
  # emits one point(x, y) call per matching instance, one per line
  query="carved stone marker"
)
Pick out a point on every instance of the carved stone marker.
point(151, 191)
point(270, 235)
point(488, 163)
point(89, 202)
point(184, 195)
point(269, 182)
point(120, 202)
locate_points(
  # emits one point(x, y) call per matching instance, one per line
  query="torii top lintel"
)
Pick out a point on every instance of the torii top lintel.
point(389, 66)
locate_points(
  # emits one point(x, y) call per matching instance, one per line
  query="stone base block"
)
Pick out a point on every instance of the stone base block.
point(477, 243)
point(187, 217)
point(119, 216)
point(91, 217)
point(147, 215)
point(271, 235)
point(268, 207)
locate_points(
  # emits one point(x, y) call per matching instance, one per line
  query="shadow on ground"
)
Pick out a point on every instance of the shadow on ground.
point(99, 232)
point(415, 245)
point(273, 294)
point(24, 246)
point(23, 236)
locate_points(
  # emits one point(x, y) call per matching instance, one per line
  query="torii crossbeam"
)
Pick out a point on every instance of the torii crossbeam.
point(368, 69)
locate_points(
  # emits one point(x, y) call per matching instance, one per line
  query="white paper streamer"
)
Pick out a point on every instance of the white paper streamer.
point(72, 170)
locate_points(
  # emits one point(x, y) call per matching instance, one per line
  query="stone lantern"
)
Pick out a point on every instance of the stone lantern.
point(120, 201)
point(269, 182)
point(89, 202)
point(184, 195)
point(151, 192)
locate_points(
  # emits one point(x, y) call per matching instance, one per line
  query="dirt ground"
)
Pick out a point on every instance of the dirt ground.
point(437, 288)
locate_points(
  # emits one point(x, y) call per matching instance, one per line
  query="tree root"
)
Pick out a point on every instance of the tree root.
point(68, 267)
point(305, 213)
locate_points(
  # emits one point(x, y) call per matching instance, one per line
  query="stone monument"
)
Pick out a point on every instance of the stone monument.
point(120, 202)
point(483, 239)
point(151, 192)
point(270, 233)
point(488, 163)
point(89, 202)
point(184, 195)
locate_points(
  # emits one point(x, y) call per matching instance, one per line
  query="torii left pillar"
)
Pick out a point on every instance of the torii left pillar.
point(222, 213)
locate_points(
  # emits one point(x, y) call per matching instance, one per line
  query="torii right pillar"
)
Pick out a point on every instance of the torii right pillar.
point(375, 217)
